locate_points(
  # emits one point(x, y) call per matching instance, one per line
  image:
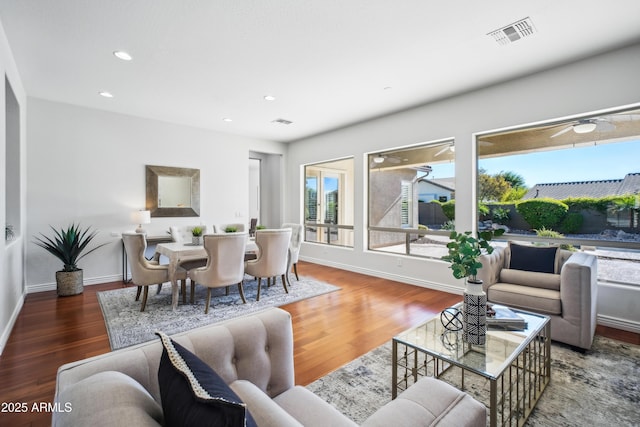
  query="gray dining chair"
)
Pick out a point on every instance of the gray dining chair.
point(225, 264)
point(145, 273)
point(271, 260)
point(294, 248)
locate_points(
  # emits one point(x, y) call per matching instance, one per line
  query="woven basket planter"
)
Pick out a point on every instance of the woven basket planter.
point(69, 282)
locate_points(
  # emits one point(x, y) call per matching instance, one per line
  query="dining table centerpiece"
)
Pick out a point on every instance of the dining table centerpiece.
point(196, 233)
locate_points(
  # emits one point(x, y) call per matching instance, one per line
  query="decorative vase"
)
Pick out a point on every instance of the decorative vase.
point(196, 240)
point(475, 313)
point(69, 283)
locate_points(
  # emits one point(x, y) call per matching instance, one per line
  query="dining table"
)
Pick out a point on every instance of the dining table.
point(182, 252)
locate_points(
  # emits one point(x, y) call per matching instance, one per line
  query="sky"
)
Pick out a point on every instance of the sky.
point(600, 162)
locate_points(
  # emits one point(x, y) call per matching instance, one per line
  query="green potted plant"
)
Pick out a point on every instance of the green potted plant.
point(69, 245)
point(464, 254)
point(230, 229)
point(465, 249)
point(196, 232)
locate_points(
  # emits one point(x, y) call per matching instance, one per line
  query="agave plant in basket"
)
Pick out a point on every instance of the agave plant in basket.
point(69, 245)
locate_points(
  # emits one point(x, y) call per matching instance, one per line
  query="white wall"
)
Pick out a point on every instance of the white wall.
point(11, 253)
point(602, 82)
point(88, 166)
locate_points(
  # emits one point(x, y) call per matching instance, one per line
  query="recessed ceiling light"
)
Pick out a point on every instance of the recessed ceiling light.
point(121, 54)
point(269, 98)
point(226, 119)
point(106, 94)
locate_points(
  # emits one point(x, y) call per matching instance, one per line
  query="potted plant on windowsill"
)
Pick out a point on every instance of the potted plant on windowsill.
point(69, 246)
point(464, 254)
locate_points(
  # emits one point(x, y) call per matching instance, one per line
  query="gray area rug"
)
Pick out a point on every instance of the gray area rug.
point(597, 388)
point(127, 326)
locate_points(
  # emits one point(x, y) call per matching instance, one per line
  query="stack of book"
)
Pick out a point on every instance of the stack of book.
point(504, 318)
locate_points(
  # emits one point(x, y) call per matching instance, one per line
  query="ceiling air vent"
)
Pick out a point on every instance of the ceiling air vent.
point(513, 32)
point(282, 121)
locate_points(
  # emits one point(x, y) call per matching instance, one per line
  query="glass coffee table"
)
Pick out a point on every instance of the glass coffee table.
point(516, 364)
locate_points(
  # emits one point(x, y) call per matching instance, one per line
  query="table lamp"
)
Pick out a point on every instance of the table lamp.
point(141, 217)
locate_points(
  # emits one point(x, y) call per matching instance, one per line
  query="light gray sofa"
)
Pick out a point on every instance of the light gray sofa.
point(567, 295)
point(254, 355)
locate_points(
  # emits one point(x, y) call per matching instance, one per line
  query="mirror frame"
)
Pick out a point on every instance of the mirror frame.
point(152, 174)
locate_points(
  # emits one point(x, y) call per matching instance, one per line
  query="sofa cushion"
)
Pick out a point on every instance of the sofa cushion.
point(310, 410)
point(110, 397)
point(265, 411)
point(539, 300)
point(530, 278)
point(541, 259)
point(193, 394)
point(430, 402)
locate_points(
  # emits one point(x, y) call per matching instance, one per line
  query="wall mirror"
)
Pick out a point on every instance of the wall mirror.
point(173, 191)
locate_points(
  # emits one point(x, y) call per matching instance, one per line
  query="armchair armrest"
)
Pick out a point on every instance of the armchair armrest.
point(578, 291)
point(491, 265)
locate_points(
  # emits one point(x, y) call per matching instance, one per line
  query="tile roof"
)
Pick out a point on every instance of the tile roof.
point(630, 184)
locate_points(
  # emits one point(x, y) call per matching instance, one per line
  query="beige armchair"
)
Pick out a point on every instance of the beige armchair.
point(273, 253)
point(143, 271)
point(225, 265)
point(294, 247)
point(183, 233)
point(567, 293)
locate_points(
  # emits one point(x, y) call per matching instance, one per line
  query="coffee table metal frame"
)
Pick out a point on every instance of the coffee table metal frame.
point(517, 364)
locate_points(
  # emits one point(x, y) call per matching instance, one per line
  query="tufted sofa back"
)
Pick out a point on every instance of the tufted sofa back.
point(257, 348)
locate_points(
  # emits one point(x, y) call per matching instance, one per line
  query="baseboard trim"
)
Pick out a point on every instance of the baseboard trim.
point(12, 321)
point(386, 275)
point(43, 287)
point(617, 323)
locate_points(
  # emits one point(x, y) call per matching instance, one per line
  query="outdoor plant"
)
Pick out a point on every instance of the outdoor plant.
point(500, 215)
point(542, 212)
point(543, 232)
point(196, 231)
point(449, 209)
point(572, 223)
point(68, 245)
point(465, 250)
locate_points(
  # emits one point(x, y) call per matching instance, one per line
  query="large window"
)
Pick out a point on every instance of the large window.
point(411, 199)
point(574, 183)
point(328, 202)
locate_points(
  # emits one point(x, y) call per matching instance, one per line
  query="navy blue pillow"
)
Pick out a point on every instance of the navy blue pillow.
point(541, 259)
point(193, 394)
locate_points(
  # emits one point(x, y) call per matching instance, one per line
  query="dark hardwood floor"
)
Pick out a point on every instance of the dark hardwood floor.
point(329, 331)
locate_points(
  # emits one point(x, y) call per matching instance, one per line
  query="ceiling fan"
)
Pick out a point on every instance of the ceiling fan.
point(380, 159)
point(587, 126)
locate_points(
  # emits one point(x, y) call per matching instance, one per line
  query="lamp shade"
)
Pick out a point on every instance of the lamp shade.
point(141, 217)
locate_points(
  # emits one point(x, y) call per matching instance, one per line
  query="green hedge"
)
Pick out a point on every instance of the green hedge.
point(572, 223)
point(542, 213)
point(448, 208)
